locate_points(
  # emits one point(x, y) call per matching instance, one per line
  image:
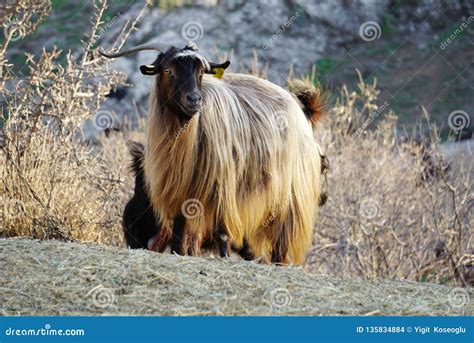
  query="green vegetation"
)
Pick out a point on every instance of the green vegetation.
point(324, 67)
point(388, 24)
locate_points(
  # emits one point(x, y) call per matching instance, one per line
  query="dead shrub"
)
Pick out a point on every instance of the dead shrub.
point(395, 209)
point(52, 184)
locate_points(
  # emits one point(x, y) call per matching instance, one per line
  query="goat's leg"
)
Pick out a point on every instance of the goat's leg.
point(191, 246)
point(178, 242)
point(159, 242)
point(222, 239)
point(194, 244)
point(280, 250)
point(245, 252)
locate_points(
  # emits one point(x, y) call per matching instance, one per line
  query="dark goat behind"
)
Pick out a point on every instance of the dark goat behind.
point(139, 223)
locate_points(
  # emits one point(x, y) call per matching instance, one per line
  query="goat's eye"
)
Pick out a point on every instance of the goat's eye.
point(167, 71)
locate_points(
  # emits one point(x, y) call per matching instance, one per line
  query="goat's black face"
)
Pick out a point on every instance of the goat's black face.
point(179, 79)
point(183, 77)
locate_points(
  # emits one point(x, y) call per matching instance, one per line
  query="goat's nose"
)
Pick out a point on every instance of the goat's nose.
point(194, 98)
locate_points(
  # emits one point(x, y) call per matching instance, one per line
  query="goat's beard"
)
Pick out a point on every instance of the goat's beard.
point(186, 112)
point(183, 114)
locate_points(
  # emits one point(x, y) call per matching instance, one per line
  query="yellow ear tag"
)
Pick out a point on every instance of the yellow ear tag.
point(218, 72)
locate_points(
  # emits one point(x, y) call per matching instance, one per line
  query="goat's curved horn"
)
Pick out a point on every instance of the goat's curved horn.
point(149, 46)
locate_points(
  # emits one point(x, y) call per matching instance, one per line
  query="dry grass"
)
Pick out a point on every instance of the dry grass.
point(381, 221)
point(385, 216)
point(52, 185)
point(80, 279)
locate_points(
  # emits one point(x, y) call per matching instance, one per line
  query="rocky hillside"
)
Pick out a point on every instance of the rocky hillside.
point(401, 43)
point(419, 51)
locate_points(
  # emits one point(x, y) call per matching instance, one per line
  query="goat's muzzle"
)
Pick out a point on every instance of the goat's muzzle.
point(191, 103)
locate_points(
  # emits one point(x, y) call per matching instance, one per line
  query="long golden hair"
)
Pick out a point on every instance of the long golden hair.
point(250, 161)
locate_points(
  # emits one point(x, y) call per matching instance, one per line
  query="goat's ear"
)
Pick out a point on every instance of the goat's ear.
point(217, 69)
point(216, 65)
point(149, 69)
